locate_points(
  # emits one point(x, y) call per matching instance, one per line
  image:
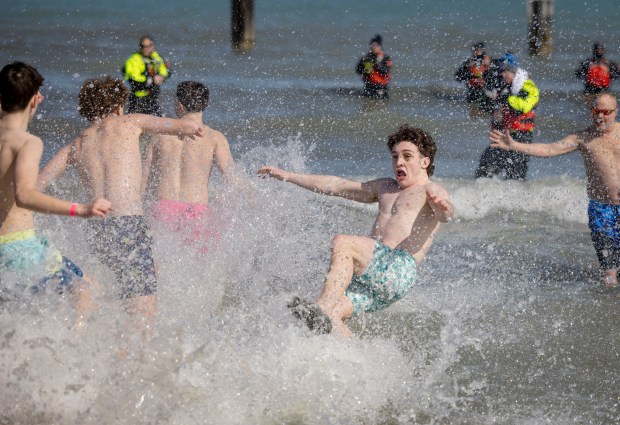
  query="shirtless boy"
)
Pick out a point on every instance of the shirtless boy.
point(21, 250)
point(176, 172)
point(108, 160)
point(599, 145)
point(370, 273)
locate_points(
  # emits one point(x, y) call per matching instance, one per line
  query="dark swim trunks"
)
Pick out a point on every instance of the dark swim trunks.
point(124, 245)
point(604, 222)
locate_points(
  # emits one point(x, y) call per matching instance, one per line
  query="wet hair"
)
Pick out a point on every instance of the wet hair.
point(101, 97)
point(194, 96)
point(19, 82)
point(420, 138)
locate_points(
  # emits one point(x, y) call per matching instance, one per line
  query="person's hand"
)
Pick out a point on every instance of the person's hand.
point(440, 206)
point(274, 172)
point(192, 130)
point(158, 80)
point(98, 208)
point(500, 139)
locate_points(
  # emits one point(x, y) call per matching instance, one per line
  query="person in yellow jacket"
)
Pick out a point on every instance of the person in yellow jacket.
point(515, 112)
point(145, 71)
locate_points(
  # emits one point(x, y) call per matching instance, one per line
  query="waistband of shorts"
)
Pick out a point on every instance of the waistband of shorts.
point(20, 235)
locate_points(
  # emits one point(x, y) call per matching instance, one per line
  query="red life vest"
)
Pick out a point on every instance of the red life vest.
point(376, 78)
point(598, 75)
point(477, 81)
point(514, 121)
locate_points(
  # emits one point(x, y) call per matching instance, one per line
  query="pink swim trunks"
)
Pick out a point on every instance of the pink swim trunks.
point(194, 221)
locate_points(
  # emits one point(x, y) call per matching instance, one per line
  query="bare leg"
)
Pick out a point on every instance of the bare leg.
point(610, 278)
point(350, 254)
point(144, 308)
point(83, 300)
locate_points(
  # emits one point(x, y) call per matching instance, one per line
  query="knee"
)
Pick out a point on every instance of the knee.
point(341, 242)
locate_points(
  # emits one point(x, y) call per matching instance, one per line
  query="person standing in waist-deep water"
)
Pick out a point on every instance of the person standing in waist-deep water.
point(599, 145)
point(375, 68)
point(515, 113)
point(471, 72)
point(145, 71)
point(369, 273)
point(597, 72)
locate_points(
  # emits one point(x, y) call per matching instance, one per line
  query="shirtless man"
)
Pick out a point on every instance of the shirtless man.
point(599, 145)
point(370, 273)
point(176, 172)
point(21, 250)
point(108, 160)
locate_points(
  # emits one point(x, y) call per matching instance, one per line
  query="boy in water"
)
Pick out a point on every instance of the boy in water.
point(108, 159)
point(177, 171)
point(599, 145)
point(370, 273)
point(21, 250)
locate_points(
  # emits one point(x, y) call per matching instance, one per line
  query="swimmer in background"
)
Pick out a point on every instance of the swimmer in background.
point(370, 273)
point(599, 145)
point(176, 172)
point(21, 250)
point(107, 158)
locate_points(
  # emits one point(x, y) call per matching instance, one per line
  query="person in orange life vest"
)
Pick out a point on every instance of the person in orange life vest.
point(375, 68)
point(597, 71)
point(516, 112)
point(145, 71)
point(471, 72)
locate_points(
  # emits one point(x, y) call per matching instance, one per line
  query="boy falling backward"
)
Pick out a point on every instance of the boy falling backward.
point(370, 273)
point(21, 250)
point(108, 160)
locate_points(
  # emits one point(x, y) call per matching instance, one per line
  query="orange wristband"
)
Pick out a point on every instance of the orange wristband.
point(73, 209)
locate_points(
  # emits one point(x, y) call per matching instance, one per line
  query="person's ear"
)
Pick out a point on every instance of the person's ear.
point(426, 161)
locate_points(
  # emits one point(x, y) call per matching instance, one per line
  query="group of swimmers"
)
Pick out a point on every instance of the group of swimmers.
point(366, 273)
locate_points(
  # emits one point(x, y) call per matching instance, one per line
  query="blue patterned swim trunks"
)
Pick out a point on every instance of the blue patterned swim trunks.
point(387, 279)
point(26, 253)
point(604, 222)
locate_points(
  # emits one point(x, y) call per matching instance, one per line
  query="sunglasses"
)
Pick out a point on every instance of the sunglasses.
point(605, 112)
point(146, 46)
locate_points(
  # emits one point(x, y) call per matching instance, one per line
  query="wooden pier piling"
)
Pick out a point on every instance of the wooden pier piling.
point(242, 24)
point(540, 19)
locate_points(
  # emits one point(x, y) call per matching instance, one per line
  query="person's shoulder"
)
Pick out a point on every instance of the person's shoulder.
point(18, 140)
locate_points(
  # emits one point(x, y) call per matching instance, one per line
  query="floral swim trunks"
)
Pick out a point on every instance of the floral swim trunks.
point(387, 279)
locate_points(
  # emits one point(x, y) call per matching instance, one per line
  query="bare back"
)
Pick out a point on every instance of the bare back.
point(14, 143)
point(179, 170)
point(601, 155)
point(107, 157)
point(405, 220)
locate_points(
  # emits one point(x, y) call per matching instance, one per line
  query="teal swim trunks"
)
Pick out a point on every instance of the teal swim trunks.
point(387, 279)
point(25, 252)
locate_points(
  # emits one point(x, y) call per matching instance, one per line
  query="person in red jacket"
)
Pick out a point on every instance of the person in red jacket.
point(375, 68)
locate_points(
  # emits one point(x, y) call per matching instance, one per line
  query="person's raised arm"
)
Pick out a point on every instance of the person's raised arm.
point(159, 125)
point(439, 201)
point(328, 185)
point(504, 141)
point(28, 197)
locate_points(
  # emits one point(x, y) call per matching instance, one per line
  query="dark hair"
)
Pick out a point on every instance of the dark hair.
point(19, 82)
point(100, 97)
point(420, 138)
point(194, 96)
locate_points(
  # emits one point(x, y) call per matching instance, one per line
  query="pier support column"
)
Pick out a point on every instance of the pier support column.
point(242, 24)
point(540, 18)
